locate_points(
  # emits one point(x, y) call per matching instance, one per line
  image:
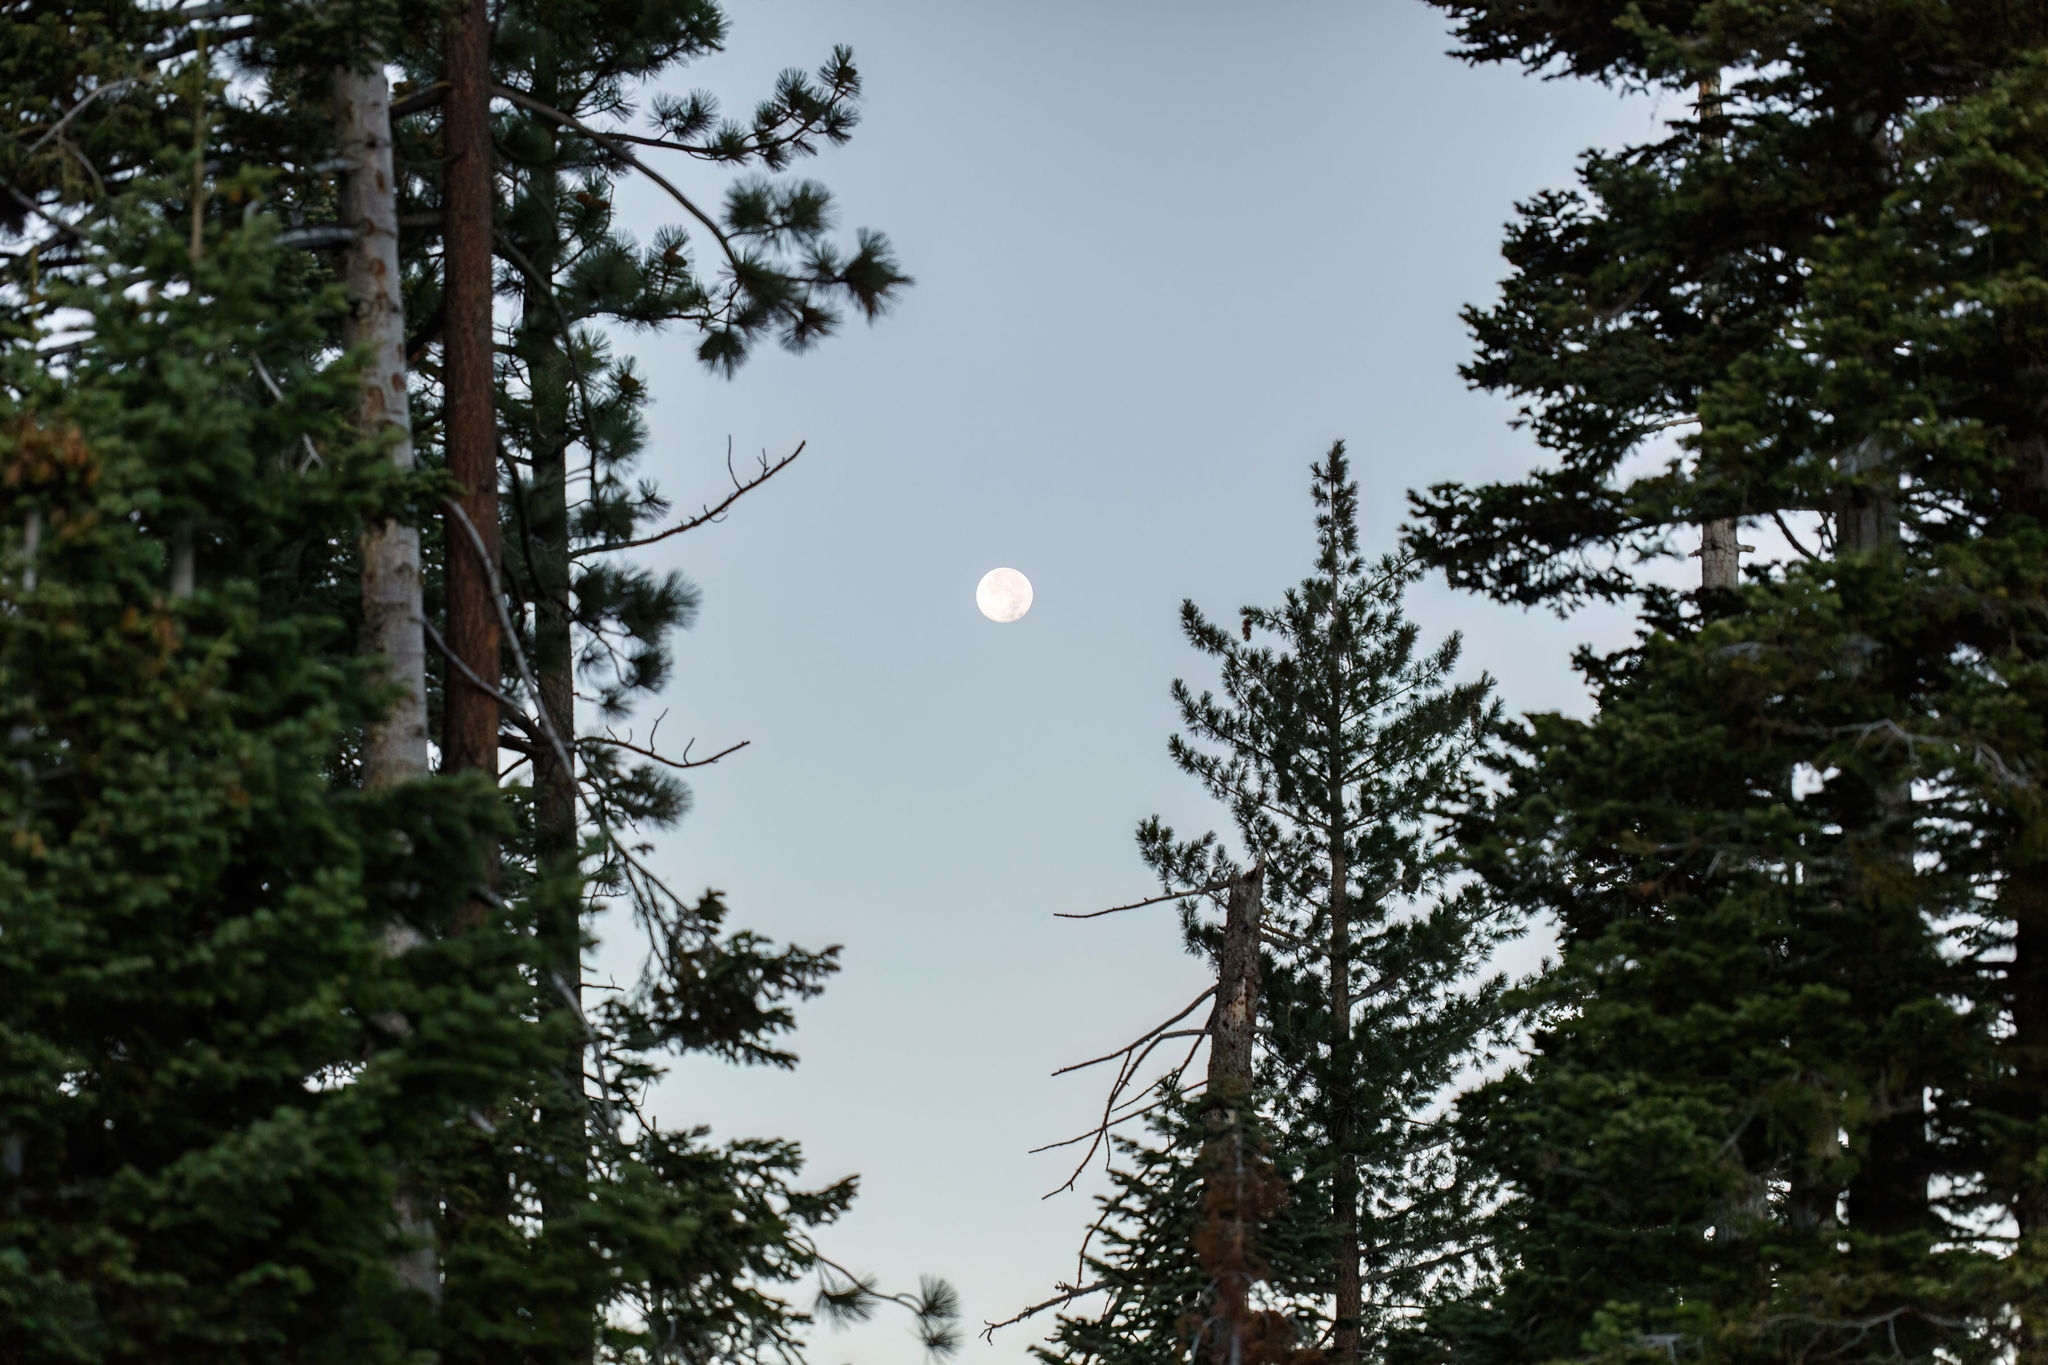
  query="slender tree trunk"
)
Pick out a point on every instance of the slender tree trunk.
point(395, 745)
point(470, 734)
point(1238, 1186)
point(551, 383)
point(1720, 547)
point(2024, 901)
point(1341, 1091)
point(1350, 1293)
point(1888, 1195)
point(395, 750)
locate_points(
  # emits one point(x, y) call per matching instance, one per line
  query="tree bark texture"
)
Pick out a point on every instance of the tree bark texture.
point(1350, 1293)
point(1720, 554)
point(395, 744)
point(470, 734)
point(1720, 545)
point(1239, 1188)
point(551, 383)
point(395, 749)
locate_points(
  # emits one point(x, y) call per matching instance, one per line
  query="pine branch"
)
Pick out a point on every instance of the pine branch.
point(112, 87)
point(619, 149)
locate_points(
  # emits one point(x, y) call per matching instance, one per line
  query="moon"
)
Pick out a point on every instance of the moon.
point(1003, 595)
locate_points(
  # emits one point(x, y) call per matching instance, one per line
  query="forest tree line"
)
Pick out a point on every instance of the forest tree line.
point(318, 498)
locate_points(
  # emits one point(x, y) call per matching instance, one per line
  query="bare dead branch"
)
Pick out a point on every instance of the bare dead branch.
point(685, 762)
point(476, 541)
point(512, 708)
point(75, 110)
point(418, 100)
point(1126, 1118)
point(1793, 540)
point(1149, 900)
point(1068, 1295)
point(1148, 1035)
point(710, 513)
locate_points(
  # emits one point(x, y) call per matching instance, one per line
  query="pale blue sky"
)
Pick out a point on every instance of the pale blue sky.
point(1165, 252)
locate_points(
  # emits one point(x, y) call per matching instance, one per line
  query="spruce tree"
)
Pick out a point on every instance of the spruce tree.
point(1781, 1104)
point(1334, 744)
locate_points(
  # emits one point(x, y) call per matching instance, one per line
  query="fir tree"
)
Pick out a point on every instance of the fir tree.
point(1781, 1103)
point(207, 1066)
point(1334, 748)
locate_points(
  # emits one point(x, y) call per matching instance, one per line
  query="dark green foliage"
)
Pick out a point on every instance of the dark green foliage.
point(1634, 296)
point(581, 1210)
point(1335, 744)
point(1142, 1255)
point(1786, 1102)
point(1721, 1134)
point(207, 1063)
point(234, 990)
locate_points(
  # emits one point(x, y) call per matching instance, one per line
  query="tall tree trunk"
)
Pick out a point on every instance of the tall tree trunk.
point(395, 745)
point(395, 750)
point(1720, 548)
point(551, 384)
point(1340, 1090)
point(1888, 1195)
point(1350, 1293)
point(470, 734)
point(2023, 900)
point(1238, 1185)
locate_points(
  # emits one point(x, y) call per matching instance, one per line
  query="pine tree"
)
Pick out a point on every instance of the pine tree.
point(205, 1070)
point(1780, 1103)
point(427, 981)
point(570, 426)
point(1334, 748)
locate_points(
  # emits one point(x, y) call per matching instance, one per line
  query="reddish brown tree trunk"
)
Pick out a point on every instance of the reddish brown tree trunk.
point(470, 733)
point(1238, 1187)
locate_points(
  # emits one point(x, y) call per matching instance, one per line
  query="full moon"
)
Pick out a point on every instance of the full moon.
point(1003, 594)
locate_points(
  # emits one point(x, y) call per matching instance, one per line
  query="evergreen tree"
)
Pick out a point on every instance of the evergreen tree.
point(1782, 1102)
point(174, 313)
point(569, 417)
point(206, 1071)
point(1333, 747)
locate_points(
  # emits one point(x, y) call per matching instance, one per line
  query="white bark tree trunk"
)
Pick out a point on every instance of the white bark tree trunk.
point(395, 750)
point(395, 747)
